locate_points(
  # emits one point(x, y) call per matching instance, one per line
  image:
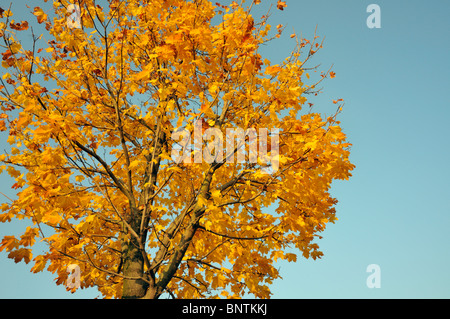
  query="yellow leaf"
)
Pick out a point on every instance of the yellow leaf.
point(9, 243)
point(21, 253)
point(215, 194)
point(39, 265)
point(39, 13)
point(15, 47)
point(8, 13)
point(52, 218)
point(134, 164)
point(201, 201)
point(28, 238)
point(90, 218)
point(271, 70)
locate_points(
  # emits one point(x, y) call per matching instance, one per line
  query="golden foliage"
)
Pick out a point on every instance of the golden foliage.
point(89, 122)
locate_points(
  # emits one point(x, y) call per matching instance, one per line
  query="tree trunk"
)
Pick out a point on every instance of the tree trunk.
point(133, 266)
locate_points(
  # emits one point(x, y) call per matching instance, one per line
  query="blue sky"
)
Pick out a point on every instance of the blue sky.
point(395, 210)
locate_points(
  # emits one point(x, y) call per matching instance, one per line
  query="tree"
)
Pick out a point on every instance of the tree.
point(92, 119)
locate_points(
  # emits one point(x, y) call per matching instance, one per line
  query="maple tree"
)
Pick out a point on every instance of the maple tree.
point(89, 118)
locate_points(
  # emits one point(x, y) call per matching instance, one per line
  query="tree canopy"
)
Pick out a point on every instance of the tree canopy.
point(90, 110)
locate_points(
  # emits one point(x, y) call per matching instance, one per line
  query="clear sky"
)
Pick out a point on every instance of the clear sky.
point(395, 210)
